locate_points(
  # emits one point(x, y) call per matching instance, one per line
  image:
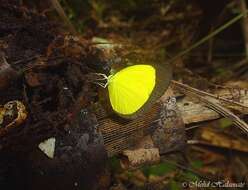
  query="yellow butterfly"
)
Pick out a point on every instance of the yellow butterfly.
point(135, 88)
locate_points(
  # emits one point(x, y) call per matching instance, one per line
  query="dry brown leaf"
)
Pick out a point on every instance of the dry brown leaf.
point(135, 158)
point(224, 141)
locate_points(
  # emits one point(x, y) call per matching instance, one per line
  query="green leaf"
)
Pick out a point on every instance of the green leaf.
point(114, 163)
point(224, 123)
point(173, 185)
point(129, 174)
point(189, 176)
point(159, 169)
point(197, 164)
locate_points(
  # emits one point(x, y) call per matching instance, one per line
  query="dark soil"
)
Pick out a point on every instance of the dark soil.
point(48, 71)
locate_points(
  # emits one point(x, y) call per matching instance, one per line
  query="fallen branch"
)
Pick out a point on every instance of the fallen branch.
point(212, 102)
point(188, 89)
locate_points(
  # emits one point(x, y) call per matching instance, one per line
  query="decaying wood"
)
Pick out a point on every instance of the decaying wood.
point(163, 125)
point(167, 135)
point(170, 136)
point(122, 134)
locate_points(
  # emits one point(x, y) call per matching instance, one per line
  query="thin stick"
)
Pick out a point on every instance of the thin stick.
point(214, 33)
point(62, 14)
point(197, 142)
point(184, 168)
point(226, 113)
point(202, 93)
point(214, 106)
point(243, 8)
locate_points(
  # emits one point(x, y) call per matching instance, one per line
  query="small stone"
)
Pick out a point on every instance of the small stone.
point(48, 147)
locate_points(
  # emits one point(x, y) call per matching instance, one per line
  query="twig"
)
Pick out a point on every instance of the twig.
point(62, 14)
point(203, 143)
point(226, 113)
point(214, 33)
point(210, 48)
point(202, 93)
point(243, 8)
point(184, 168)
point(209, 101)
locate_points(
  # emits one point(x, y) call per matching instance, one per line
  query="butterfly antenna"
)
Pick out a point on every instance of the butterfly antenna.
point(101, 80)
point(104, 85)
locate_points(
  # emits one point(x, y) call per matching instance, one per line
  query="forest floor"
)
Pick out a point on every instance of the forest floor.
point(45, 68)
